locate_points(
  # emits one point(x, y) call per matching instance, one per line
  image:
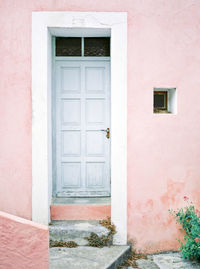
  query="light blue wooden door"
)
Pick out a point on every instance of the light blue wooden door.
point(82, 116)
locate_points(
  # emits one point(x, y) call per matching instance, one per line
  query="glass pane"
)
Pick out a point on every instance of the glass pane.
point(68, 46)
point(97, 46)
point(159, 100)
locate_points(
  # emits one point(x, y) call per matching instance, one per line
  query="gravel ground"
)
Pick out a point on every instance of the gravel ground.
point(164, 261)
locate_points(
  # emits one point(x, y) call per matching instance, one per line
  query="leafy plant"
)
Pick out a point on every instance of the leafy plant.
point(189, 218)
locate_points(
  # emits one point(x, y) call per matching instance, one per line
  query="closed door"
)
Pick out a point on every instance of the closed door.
point(82, 116)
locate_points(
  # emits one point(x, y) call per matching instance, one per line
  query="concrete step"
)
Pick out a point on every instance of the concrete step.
point(75, 231)
point(88, 257)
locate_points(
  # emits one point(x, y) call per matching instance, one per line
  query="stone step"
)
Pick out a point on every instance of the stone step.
point(84, 257)
point(75, 231)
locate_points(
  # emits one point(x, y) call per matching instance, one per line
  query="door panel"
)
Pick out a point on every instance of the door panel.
point(70, 79)
point(70, 112)
point(82, 112)
point(97, 75)
point(95, 175)
point(74, 147)
point(95, 111)
point(69, 171)
point(95, 143)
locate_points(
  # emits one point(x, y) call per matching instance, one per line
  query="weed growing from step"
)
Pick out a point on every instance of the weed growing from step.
point(131, 260)
point(102, 241)
point(98, 241)
point(68, 244)
point(108, 224)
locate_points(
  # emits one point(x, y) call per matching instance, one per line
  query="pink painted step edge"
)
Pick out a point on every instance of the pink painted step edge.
point(80, 212)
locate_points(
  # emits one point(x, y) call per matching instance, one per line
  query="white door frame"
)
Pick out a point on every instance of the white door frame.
point(44, 25)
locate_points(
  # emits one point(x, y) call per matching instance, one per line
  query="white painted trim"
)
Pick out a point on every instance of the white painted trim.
point(42, 25)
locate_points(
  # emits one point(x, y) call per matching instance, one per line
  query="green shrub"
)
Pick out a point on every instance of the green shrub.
point(189, 218)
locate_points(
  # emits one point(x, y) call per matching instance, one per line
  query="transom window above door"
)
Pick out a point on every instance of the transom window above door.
point(83, 46)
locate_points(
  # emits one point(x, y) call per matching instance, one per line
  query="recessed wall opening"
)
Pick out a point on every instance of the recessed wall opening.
point(45, 25)
point(165, 100)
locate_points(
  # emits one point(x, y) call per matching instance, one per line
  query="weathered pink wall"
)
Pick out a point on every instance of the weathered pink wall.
point(163, 150)
point(24, 244)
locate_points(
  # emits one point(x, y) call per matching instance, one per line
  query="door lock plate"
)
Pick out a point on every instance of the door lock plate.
point(108, 133)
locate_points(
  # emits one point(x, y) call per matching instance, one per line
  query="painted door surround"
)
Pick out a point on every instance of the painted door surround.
point(44, 25)
point(81, 105)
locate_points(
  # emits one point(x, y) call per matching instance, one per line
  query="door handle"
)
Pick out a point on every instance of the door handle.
point(107, 132)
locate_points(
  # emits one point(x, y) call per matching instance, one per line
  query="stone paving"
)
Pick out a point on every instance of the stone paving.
point(86, 257)
point(165, 261)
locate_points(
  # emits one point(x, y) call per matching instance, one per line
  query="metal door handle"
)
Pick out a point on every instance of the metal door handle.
point(107, 132)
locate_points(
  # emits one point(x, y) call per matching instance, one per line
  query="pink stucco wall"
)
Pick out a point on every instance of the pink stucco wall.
point(24, 244)
point(163, 150)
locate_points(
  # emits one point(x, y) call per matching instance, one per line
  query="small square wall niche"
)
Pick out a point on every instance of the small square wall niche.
point(164, 100)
